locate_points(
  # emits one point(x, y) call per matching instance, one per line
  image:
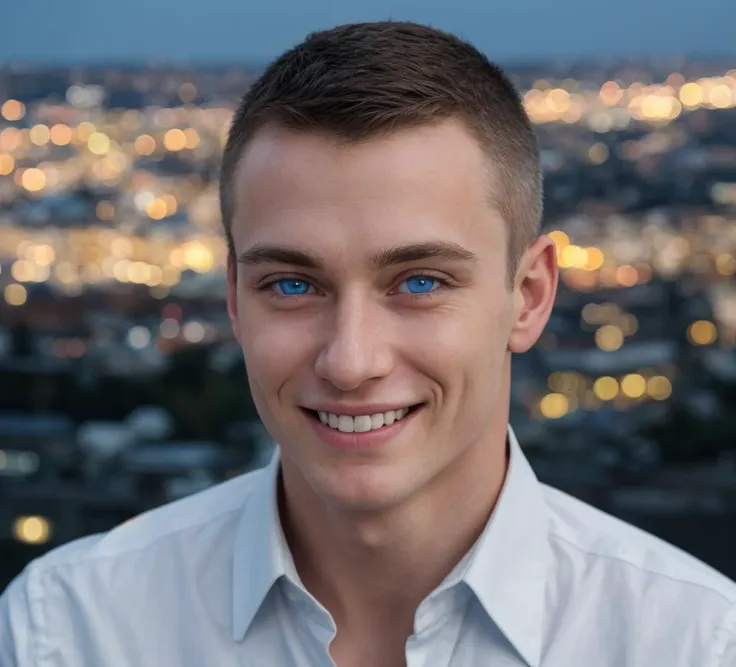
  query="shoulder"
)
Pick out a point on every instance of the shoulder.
point(582, 529)
point(190, 519)
point(645, 581)
point(180, 551)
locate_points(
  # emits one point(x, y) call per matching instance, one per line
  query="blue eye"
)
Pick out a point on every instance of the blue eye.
point(292, 286)
point(419, 285)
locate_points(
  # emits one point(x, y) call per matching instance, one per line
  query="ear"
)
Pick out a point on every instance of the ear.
point(535, 288)
point(232, 294)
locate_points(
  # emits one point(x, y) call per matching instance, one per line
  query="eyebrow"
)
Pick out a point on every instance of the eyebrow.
point(413, 252)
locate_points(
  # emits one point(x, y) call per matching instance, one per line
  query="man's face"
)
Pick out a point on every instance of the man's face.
point(371, 280)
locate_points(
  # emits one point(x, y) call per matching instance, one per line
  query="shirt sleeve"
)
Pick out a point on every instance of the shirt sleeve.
point(724, 654)
point(15, 624)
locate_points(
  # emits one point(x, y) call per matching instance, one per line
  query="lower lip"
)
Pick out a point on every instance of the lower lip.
point(366, 440)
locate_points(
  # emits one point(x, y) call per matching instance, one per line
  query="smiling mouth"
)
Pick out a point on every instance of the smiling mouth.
point(362, 423)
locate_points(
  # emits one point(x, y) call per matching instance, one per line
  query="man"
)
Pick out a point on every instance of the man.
point(381, 195)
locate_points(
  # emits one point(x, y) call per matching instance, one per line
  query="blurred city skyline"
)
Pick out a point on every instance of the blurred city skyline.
point(122, 386)
point(89, 31)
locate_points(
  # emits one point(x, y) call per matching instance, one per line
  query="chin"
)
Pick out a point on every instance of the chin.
point(363, 488)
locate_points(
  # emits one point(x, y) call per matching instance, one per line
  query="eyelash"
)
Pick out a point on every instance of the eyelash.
point(269, 286)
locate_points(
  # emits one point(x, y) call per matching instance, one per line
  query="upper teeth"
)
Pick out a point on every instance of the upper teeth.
point(362, 423)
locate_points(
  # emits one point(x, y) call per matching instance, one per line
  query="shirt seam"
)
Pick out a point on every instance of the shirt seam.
point(620, 559)
point(91, 558)
point(36, 613)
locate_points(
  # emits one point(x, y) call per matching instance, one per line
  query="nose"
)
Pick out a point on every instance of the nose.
point(356, 348)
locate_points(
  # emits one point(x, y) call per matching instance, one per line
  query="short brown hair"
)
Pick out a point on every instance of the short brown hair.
point(360, 81)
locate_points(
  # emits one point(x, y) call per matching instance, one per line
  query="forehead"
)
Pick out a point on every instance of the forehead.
point(296, 187)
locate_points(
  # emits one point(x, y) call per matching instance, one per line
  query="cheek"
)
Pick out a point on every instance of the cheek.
point(275, 349)
point(462, 336)
point(463, 353)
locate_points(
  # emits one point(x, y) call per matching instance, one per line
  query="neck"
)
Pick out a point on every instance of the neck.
point(401, 554)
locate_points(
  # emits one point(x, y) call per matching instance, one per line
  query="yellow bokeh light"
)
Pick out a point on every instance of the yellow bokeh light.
point(121, 247)
point(7, 164)
point(43, 254)
point(558, 100)
point(611, 93)
point(175, 140)
point(634, 385)
point(22, 271)
point(39, 135)
point(725, 263)
point(13, 110)
point(84, 130)
point(98, 143)
point(594, 260)
point(573, 257)
point(198, 257)
point(574, 113)
point(675, 109)
point(33, 180)
point(627, 276)
point(560, 239)
point(156, 209)
point(15, 294)
point(171, 204)
point(554, 406)
point(145, 144)
point(120, 270)
point(155, 276)
point(609, 338)
point(659, 388)
point(656, 107)
point(721, 96)
point(605, 388)
point(61, 134)
point(176, 258)
point(32, 529)
point(192, 137)
point(10, 139)
point(532, 98)
point(138, 272)
point(702, 332)
point(691, 95)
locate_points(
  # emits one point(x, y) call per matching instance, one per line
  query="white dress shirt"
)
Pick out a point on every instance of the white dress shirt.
point(209, 581)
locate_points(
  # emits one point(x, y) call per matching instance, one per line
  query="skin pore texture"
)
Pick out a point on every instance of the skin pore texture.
point(371, 277)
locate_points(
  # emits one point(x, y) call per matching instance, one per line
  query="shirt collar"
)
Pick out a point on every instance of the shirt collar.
point(260, 554)
point(506, 572)
point(509, 565)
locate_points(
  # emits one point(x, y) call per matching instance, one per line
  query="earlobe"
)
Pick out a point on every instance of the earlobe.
point(534, 296)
